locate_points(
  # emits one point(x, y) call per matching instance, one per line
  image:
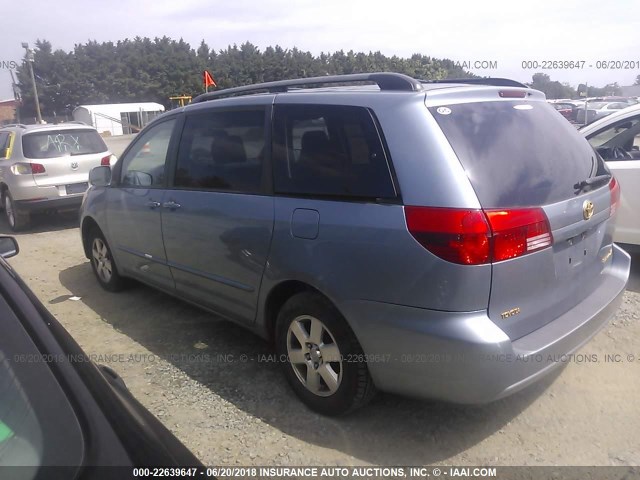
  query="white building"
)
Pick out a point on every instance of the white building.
point(118, 118)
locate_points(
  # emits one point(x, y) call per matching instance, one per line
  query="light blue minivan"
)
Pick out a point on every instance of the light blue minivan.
point(446, 240)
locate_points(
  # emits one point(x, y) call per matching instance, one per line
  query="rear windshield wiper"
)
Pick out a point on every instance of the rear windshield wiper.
point(593, 182)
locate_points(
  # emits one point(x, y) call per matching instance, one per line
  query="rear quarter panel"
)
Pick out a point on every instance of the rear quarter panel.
point(363, 251)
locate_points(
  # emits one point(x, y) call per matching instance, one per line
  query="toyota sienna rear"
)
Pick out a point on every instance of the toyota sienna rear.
point(447, 240)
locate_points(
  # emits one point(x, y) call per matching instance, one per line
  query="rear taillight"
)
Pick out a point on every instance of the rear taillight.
point(37, 168)
point(27, 168)
point(518, 232)
point(108, 160)
point(459, 236)
point(474, 237)
point(614, 188)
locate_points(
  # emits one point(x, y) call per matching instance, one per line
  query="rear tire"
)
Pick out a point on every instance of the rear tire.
point(321, 357)
point(102, 262)
point(17, 221)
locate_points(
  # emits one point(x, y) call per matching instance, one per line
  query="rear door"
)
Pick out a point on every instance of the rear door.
point(217, 219)
point(66, 156)
point(520, 154)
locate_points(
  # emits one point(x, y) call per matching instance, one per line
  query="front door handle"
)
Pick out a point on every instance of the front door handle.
point(171, 205)
point(151, 204)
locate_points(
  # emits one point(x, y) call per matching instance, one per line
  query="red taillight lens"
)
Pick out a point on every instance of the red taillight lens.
point(473, 237)
point(518, 232)
point(614, 188)
point(37, 168)
point(459, 236)
point(106, 161)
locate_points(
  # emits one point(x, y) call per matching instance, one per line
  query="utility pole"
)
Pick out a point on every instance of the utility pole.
point(30, 59)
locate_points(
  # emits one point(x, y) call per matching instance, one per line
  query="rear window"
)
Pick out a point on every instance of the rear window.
point(58, 143)
point(518, 154)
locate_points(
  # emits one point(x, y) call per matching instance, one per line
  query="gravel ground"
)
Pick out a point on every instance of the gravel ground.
point(184, 365)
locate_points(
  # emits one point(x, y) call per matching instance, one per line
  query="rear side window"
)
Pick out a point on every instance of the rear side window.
point(518, 154)
point(58, 143)
point(329, 150)
point(222, 151)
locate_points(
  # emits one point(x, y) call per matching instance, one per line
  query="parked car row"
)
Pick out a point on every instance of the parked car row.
point(595, 108)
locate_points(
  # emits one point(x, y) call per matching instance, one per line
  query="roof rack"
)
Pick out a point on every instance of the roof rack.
point(386, 81)
point(19, 125)
point(496, 82)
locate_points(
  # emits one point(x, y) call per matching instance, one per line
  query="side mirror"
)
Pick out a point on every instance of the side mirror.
point(8, 247)
point(100, 176)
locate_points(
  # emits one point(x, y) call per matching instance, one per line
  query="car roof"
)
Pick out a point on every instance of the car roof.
point(19, 127)
point(385, 83)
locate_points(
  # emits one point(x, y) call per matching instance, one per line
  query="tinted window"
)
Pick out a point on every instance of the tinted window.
point(329, 150)
point(58, 143)
point(516, 153)
point(222, 151)
point(143, 165)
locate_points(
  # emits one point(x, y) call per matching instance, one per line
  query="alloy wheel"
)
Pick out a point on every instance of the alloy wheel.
point(102, 260)
point(314, 355)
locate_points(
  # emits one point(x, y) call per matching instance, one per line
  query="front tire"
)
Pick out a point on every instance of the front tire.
point(102, 262)
point(17, 221)
point(325, 364)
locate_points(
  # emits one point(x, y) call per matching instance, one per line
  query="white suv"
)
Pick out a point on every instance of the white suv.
point(46, 167)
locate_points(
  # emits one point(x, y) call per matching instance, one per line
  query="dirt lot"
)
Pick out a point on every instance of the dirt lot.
point(176, 360)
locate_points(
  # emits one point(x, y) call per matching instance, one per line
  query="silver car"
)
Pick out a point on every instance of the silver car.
point(445, 240)
point(46, 168)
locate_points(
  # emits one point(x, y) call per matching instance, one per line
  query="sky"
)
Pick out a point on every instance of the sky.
point(503, 34)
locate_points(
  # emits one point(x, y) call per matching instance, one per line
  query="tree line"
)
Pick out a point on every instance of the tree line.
point(146, 70)
point(152, 70)
point(554, 89)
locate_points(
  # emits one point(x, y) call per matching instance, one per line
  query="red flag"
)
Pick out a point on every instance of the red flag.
point(208, 79)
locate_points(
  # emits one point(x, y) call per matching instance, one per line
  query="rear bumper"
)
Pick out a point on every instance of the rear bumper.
point(71, 202)
point(465, 357)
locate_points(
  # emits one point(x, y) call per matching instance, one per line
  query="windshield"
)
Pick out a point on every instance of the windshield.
point(596, 105)
point(517, 153)
point(58, 143)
